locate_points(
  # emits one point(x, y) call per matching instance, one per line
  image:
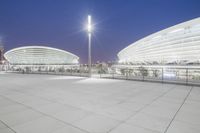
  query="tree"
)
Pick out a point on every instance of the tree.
point(143, 71)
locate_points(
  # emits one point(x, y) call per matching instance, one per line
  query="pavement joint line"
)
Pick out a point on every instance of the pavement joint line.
point(50, 100)
point(15, 90)
point(124, 121)
point(47, 115)
point(75, 106)
point(64, 104)
point(178, 110)
point(145, 104)
point(7, 126)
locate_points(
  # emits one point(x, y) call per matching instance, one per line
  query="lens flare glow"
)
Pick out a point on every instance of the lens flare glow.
point(89, 26)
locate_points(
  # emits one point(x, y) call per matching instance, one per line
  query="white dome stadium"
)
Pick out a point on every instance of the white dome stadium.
point(40, 55)
point(179, 44)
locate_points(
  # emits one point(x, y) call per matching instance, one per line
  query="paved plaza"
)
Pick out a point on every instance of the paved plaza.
point(64, 104)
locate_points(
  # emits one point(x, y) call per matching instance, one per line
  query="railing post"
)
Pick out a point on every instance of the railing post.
point(143, 74)
point(113, 74)
point(162, 75)
point(79, 71)
point(100, 71)
point(126, 73)
point(186, 76)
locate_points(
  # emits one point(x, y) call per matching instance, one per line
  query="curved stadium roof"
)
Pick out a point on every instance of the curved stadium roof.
point(179, 43)
point(40, 55)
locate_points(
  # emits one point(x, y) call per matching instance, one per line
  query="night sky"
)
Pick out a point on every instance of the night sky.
point(60, 23)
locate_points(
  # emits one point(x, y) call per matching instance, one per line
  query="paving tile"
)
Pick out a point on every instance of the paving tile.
point(131, 106)
point(171, 100)
point(181, 127)
point(116, 112)
point(35, 102)
point(166, 105)
point(2, 125)
point(41, 125)
point(162, 111)
point(195, 94)
point(143, 99)
point(125, 128)
point(51, 109)
point(93, 106)
point(120, 114)
point(192, 117)
point(191, 105)
point(69, 129)
point(189, 112)
point(179, 92)
point(5, 102)
point(14, 95)
point(12, 109)
point(70, 114)
point(6, 130)
point(155, 123)
point(97, 123)
point(20, 117)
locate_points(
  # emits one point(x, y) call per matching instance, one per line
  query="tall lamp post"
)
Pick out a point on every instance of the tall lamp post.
point(89, 29)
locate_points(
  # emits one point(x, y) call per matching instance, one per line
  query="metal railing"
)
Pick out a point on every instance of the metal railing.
point(165, 74)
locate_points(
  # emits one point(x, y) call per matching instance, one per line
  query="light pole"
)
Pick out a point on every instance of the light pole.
point(89, 29)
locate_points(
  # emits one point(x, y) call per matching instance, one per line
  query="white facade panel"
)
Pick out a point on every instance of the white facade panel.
point(40, 55)
point(179, 43)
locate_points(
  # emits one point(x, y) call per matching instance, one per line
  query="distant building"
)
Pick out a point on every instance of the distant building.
point(40, 58)
point(1, 53)
point(177, 45)
point(40, 55)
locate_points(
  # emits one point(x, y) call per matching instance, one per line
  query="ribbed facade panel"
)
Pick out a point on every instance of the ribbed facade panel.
point(178, 44)
point(39, 55)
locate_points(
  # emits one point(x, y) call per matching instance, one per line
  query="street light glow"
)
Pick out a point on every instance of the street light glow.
point(89, 27)
point(89, 19)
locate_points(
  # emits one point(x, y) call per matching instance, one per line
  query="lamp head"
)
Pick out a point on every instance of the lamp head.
point(89, 26)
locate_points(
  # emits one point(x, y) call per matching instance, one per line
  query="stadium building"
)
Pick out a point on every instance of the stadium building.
point(40, 57)
point(1, 53)
point(177, 45)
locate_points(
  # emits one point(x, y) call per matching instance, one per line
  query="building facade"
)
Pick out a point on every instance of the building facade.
point(1, 53)
point(179, 44)
point(40, 55)
point(40, 58)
